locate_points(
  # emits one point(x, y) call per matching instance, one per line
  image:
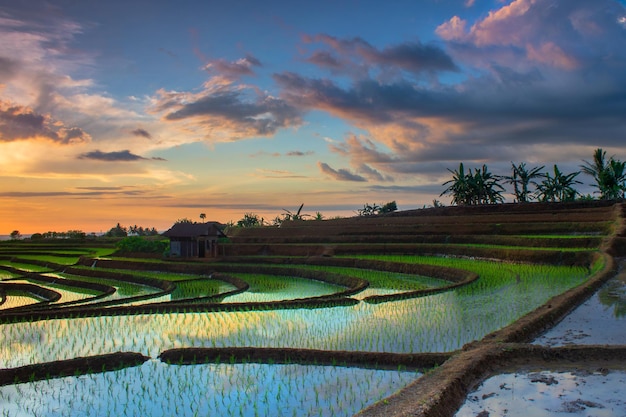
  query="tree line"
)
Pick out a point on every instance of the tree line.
point(116, 231)
point(479, 186)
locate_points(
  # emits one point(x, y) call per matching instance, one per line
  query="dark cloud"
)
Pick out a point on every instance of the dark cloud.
point(356, 53)
point(414, 57)
point(340, 174)
point(142, 133)
point(372, 174)
point(22, 123)
point(324, 59)
point(118, 156)
point(366, 100)
point(299, 153)
point(228, 109)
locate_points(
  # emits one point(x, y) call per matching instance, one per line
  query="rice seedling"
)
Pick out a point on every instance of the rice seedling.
point(68, 293)
point(265, 287)
point(435, 323)
point(124, 289)
point(18, 299)
point(26, 267)
point(234, 390)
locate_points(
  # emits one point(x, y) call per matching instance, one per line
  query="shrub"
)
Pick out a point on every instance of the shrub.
point(140, 244)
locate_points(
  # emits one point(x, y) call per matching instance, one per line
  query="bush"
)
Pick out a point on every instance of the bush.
point(142, 245)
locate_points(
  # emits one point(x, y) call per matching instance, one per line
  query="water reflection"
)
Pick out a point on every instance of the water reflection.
point(613, 295)
point(156, 389)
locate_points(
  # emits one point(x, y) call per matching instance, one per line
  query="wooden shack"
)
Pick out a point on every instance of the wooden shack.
point(194, 240)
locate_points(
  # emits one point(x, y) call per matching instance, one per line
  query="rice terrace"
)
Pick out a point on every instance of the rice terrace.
point(435, 312)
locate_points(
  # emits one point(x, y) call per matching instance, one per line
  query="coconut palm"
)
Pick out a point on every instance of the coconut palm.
point(521, 179)
point(559, 187)
point(610, 176)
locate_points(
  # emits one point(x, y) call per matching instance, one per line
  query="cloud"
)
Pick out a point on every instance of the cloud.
point(324, 59)
point(236, 69)
point(118, 156)
point(551, 54)
point(278, 154)
point(340, 174)
point(453, 29)
point(357, 56)
point(367, 100)
point(142, 133)
point(560, 34)
point(361, 149)
point(299, 153)
point(22, 123)
point(225, 111)
point(47, 77)
point(373, 174)
point(83, 192)
point(534, 73)
point(277, 174)
point(8, 68)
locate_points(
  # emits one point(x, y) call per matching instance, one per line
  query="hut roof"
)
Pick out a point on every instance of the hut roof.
point(194, 230)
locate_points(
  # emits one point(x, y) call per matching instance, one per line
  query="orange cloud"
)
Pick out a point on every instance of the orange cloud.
point(550, 54)
point(503, 26)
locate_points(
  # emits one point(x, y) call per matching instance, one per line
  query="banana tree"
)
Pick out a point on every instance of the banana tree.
point(479, 187)
point(521, 179)
point(559, 187)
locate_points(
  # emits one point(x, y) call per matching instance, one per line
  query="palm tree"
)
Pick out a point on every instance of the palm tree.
point(616, 186)
point(521, 179)
point(202, 216)
point(558, 188)
point(610, 176)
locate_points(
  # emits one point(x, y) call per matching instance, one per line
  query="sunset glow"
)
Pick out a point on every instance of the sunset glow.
point(145, 112)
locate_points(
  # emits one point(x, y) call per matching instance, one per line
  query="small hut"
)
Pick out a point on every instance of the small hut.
point(194, 240)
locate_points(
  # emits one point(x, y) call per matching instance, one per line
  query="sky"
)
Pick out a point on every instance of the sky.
point(146, 112)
